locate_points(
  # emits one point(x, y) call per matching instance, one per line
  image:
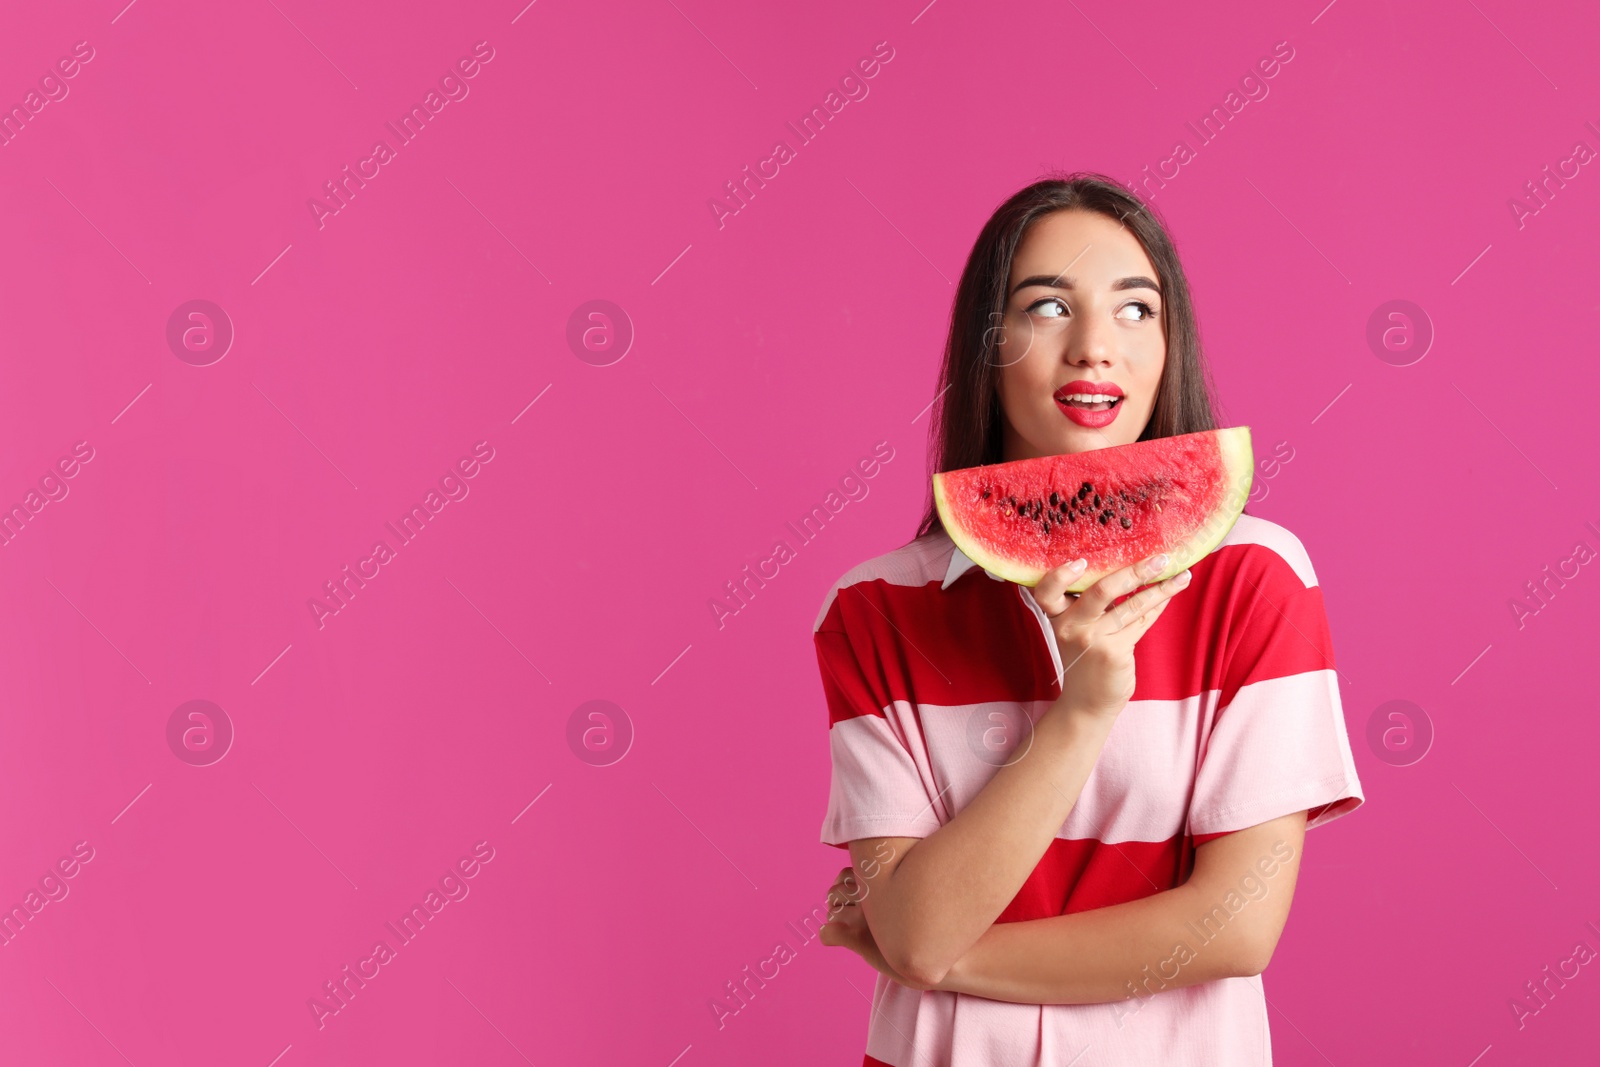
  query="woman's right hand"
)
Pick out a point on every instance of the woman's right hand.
point(1096, 639)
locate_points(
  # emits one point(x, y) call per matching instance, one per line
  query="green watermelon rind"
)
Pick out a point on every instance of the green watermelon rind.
point(1238, 468)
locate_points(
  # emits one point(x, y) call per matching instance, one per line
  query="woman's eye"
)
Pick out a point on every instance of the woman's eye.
point(1048, 301)
point(1148, 311)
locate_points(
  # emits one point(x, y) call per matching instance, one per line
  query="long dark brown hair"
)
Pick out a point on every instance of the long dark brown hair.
point(967, 419)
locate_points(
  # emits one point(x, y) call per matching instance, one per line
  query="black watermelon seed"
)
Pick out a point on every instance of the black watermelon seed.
point(1126, 522)
point(1047, 528)
point(1096, 501)
point(1055, 498)
point(1105, 516)
point(1071, 517)
point(986, 494)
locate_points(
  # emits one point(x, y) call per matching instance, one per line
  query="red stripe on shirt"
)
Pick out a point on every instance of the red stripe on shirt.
point(978, 641)
point(1079, 875)
point(973, 642)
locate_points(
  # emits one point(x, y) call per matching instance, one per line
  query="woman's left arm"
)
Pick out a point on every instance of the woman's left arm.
point(1224, 922)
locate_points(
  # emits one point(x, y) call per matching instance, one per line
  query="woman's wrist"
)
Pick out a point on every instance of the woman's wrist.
point(1081, 718)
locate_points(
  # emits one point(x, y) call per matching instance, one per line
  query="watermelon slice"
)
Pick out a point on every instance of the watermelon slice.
point(1112, 506)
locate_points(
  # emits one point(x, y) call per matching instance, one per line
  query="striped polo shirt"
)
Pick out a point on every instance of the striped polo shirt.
point(933, 669)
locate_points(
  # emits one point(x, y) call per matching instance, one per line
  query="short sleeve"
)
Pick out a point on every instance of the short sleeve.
point(1278, 742)
point(879, 762)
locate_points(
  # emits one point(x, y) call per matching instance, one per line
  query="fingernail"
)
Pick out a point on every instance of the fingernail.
point(1077, 565)
point(1156, 564)
point(1182, 579)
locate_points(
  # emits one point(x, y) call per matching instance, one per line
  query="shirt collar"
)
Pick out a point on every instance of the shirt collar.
point(960, 563)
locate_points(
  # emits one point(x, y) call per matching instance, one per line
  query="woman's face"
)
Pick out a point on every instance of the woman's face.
point(1083, 311)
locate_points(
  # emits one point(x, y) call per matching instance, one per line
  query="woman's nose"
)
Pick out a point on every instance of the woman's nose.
point(1090, 343)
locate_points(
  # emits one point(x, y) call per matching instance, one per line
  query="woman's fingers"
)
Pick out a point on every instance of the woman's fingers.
point(1136, 628)
point(1094, 600)
point(1051, 591)
point(1130, 612)
point(844, 891)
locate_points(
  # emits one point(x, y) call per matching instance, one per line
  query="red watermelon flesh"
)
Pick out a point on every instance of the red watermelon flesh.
point(1112, 506)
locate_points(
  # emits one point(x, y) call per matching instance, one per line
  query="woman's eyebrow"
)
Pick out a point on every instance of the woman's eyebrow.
point(1057, 281)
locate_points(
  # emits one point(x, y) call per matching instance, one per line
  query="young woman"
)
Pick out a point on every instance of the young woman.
point(1075, 821)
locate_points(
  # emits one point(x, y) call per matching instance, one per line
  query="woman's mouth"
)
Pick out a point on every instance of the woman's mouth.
point(1090, 409)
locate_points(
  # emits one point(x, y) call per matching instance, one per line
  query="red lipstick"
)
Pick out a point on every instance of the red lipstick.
point(1070, 399)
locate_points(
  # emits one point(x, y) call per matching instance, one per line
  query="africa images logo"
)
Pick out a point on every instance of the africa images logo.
point(853, 87)
point(341, 590)
point(454, 885)
point(408, 127)
point(742, 590)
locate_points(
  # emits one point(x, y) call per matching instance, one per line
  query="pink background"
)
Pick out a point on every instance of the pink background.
point(370, 354)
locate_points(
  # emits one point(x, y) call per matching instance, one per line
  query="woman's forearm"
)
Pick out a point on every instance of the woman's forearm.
point(1165, 941)
point(934, 904)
